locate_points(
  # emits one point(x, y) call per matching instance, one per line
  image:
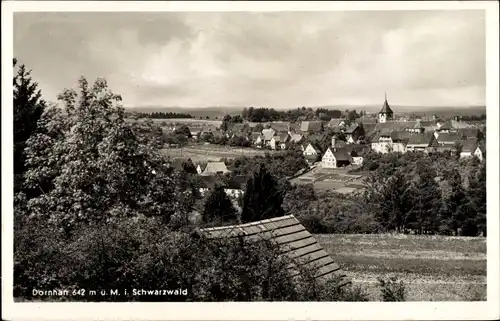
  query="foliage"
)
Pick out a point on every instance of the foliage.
point(28, 108)
point(219, 209)
point(263, 198)
point(160, 115)
point(183, 130)
point(89, 166)
point(392, 290)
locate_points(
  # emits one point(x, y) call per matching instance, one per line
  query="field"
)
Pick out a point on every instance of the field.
point(187, 121)
point(434, 268)
point(211, 152)
point(337, 179)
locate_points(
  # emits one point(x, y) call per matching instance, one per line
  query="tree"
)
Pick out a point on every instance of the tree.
point(89, 166)
point(219, 209)
point(28, 108)
point(426, 200)
point(184, 131)
point(189, 167)
point(456, 207)
point(477, 198)
point(262, 197)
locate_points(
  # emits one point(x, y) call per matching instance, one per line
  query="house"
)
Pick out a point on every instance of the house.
point(385, 113)
point(296, 138)
point(195, 131)
point(255, 138)
point(336, 122)
point(393, 141)
point(336, 158)
point(471, 148)
point(311, 126)
point(279, 141)
point(310, 153)
point(447, 138)
point(236, 185)
point(468, 133)
point(421, 142)
point(356, 152)
point(200, 168)
point(445, 127)
point(210, 182)
point(292, 238)
point(267, 135)
point(418, 128)
point(353, 133)
point(213, 168)
point(280, 127)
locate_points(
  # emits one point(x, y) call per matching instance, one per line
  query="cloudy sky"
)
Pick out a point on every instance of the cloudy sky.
point(279, 60)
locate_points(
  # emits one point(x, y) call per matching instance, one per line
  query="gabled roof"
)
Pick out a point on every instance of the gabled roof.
point(283, 137)
point(418, 125)
point(469, 145)
point(366, 120)
point(400, 136)
point(293, 240)
point(468, 132)
point(342, 154)
point(448, 137)
point(446, 126)
point(268, 133)
point(358, 148)
point(311, 126)
point(385, 108)
point(215, 167)
point(196, 130)
point(482, 146)
point(280, 127)
point(335, 122)
point(420, 139)
point(296, 138)
point(351, 129)
point(254, 135)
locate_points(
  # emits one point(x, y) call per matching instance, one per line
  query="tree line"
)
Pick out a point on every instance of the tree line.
point(159, 115)
point(262, 114)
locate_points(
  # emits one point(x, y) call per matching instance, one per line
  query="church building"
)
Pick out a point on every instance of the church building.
point(385, 113)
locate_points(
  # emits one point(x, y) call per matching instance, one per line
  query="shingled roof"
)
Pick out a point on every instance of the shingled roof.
point(420, 139)
point(469, 145)
point(280, 127)
point(215, 167)
point(293, 240)
point(311, 126)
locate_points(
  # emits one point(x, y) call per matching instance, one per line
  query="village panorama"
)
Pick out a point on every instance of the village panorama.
point(334, 203)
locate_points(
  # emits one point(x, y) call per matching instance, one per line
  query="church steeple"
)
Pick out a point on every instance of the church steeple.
point(386, 112)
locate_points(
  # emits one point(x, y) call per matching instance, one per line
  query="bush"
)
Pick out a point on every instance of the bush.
point(392, 290)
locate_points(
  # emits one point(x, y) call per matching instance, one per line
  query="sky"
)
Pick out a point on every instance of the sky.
point(267, 59)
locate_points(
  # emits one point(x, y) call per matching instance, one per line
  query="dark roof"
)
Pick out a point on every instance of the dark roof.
point(237, 182)
point(446, 126)
point(342, 154)
point(469, 145)
point(314, 126)
point(468, 132)
point(212, 181)
point(366, 120)
point(280, 127)
point(358, 148)
point(400, 136)
point(351, 129)
point(335, 122)
point(292, 238)
point(448, 137)
point(419, 139)
point(386, 109)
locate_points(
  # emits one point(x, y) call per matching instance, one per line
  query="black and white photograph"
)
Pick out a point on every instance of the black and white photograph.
point(203, 154)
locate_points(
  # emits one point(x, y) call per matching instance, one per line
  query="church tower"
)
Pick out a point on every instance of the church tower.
point(386, 112)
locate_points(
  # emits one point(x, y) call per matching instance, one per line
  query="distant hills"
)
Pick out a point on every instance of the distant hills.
point(212, 112)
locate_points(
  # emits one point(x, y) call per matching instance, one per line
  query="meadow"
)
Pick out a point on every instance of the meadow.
point(337, 179)
point(434, 268)
point(212, 152)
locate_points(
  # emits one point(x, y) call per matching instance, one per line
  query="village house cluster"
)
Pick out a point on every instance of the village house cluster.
point(341, 142)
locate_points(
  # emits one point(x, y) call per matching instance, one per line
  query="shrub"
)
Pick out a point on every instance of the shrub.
point(392, 290)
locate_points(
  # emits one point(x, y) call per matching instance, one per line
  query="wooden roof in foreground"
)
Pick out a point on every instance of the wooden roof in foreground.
point(293, 239)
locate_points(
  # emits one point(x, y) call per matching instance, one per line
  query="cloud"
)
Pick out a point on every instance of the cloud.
point(280, 60)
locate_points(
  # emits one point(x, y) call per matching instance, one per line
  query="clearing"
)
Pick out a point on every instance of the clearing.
point(337, 179)
point(434, 268)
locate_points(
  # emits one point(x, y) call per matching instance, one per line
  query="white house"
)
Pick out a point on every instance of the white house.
point(309, 150)
point(336, 158)
point(388, 142)
point(470, 148)
point(267, 135)
point(279, 141)
point(213, 168)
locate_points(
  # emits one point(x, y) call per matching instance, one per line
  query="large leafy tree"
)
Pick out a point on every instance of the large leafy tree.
point(28, 108)
point(456, 208)
point(88, 165)
point(219, 209)
point(477, 199)
point(263, 198)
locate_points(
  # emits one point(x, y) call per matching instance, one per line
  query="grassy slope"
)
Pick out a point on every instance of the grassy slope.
point(434, 268)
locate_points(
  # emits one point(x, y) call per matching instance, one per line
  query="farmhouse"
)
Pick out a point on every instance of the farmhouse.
point(256, 139)
point(387, 142)
point(279, 141)
point(280, 127)
point(336, 122)
point(468, 133)
point(311, 153)
point(267, 135)
point(471, 148)
point(336, 158)
point(293, 240)
point(195, 131)
point(421, 142)
point(311, 126)
point(356, 152)
point(353, 133)
point(446, 138)
point(418, 128)
point(386, 113)
point(213, 168)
